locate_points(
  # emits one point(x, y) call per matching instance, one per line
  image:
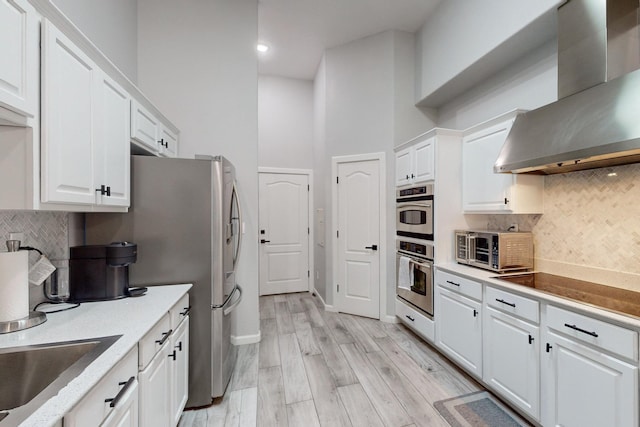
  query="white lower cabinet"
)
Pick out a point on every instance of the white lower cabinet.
point(126, 413)
point(155, 382)
point(459, 329)
point(179, 366)
point(512, 359)
point(414, 319)
point(114, 398)
point(585, 383)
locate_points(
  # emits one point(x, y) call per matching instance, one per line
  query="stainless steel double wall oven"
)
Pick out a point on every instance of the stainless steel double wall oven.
point(414, 246)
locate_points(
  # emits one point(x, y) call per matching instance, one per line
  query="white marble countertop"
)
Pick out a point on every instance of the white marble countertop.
point(130, 317)
point(592, 310)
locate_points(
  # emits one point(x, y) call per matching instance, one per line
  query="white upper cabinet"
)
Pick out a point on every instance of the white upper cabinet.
point(416, 163)
point(68, 92)
point(19, 57)
point(85, 129)
point(112, 149)
point(151, 134)
point(485, 191)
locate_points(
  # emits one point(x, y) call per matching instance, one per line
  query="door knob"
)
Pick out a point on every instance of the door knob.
point(372, 247)
point(264, 241)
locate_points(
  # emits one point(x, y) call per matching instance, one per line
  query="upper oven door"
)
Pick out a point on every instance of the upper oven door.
point(415, 219)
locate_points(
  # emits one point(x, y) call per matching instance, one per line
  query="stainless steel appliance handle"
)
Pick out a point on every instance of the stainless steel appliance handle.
point(232, 306)
point(471, 255)
point(237, 252)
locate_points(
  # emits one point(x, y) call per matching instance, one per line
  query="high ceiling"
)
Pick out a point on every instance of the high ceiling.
point(299, 31)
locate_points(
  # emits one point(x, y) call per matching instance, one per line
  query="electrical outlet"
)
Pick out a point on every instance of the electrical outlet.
point(514, 227)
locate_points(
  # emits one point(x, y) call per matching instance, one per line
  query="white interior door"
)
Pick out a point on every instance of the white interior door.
point(284, 233)
point(358, 237)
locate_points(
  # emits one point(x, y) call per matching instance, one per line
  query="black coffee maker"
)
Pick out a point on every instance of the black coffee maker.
point(101, 272)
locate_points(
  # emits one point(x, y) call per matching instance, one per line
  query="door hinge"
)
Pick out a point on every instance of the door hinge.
point(308, 187)
point(338, 287)
point(308, 230)
point(308, 273)
point(337, 180)
point(338, 234)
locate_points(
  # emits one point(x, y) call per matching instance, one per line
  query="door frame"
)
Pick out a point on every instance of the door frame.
point(335, 161)
point(309, 174)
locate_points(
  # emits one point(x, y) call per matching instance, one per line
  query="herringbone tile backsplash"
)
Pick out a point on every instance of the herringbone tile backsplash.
point(591, 218)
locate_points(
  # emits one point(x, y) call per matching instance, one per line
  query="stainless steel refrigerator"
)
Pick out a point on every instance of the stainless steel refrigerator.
point(185, 219)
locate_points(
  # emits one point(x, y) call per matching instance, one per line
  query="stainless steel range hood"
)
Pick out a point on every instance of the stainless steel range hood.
point(596, 121)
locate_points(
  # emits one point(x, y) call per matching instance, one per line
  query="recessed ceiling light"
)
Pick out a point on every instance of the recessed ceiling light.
point(261, 47)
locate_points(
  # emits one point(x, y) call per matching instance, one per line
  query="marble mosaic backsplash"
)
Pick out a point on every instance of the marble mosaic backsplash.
point(47, 231)
point(591, 219)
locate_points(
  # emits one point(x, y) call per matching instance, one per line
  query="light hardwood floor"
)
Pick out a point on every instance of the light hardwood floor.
point(317, 368)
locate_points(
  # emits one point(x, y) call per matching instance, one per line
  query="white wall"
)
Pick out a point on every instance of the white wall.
point(285, 122)
point(528, 84)
point(460, 32)
point(321, 179)
point(111, 26)
point(197, 63)
point(366, 108)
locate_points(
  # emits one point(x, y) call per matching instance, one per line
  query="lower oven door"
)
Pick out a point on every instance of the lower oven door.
point(414, 281)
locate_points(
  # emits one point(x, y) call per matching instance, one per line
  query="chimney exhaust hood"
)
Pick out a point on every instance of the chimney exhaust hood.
point(596, 121)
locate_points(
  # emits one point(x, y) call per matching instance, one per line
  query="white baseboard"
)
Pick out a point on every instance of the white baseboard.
point(386, 318)
point(246, 339)
point(327, 307)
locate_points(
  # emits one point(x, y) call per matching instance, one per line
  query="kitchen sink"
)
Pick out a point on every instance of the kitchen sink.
point(30, 375)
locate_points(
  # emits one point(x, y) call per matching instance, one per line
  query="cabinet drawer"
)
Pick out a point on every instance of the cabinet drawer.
point(179, 311)
point(153, 340)
point(601, 334)
point(93, 408)
point(459, 284)
point(415, 320)
point(513, 304)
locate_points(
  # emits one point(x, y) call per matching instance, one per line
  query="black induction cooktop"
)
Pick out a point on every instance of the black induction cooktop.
point(607, 297)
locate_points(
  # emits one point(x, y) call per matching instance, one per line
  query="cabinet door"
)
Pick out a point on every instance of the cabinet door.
point(112, 135)
point(19, 56)
point(168, 142)
point(424, 161)
point(585, 387)
point(180, 370)
point(512, 359)
point(125, 414)
point(155, 385)
point(144, 127)
point(459, 329)
point(404, 166)
point(482, 189)
point(68, 88)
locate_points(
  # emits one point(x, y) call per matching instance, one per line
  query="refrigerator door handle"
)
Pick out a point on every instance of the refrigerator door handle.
point(237, 199)
point(232, 306)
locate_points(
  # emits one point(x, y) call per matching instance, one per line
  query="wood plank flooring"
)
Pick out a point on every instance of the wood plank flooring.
point(317, 368)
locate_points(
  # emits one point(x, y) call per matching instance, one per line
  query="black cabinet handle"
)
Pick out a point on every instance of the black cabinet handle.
point(108, 191)
point(264, 241)
point(114, 400)
point(407, 177)
point(173, 355)
point(186, 311)
point(410, 318)
point(165, 336)
point(475, 312)
point(549, 347)
point(453, 283)
point(163, 143)
point(506, 201)
point(372, 247)
point(179, 346)
point(575, 328)
point(530, 339)
point(413, 176)
point(505, 302)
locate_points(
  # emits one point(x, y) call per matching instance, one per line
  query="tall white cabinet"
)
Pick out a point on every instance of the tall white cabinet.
point(483, 190)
